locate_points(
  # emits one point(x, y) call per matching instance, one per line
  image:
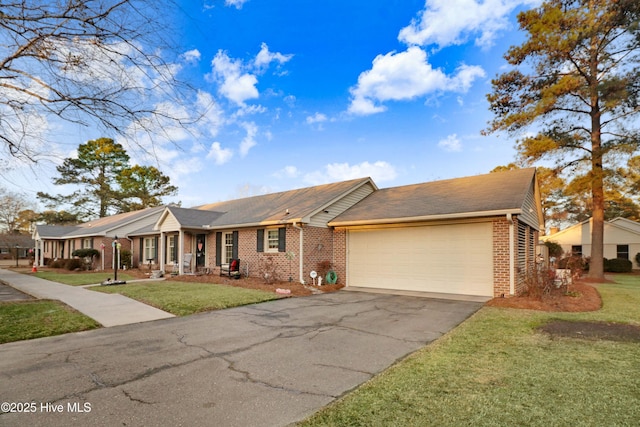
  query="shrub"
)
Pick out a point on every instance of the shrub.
point(86, 253)
point(617, 265)
point(555, 250)
point(125, 258)
point(638, 259)
point(574, 263)
point(57, 263)
point(74, 264)
point(541, 281)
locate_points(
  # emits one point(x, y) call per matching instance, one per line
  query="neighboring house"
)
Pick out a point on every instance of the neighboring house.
point(474, 235)
point(54, 241)
point(621, 239)
point(11, 243)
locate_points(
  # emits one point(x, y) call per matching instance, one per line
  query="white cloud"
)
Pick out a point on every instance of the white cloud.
point(237, 3)
point(287, 172)
point(452, 22)
point(316, 118)
point(380, 171)
point(404, 76)
point(235, 84)
point(450, 143)
point(237, 80)
point(264, 58)
point(219, 155)
point(249, 140)
point(192, 55)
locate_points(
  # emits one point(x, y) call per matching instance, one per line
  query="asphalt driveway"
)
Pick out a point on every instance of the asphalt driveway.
point(269, 364)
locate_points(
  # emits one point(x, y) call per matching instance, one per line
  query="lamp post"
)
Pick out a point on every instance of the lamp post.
point(116, 253)
point(17, 248)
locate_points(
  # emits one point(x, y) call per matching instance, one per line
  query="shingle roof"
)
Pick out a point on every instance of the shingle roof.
point(11, 240)
point(193, 217)
point(300, 204)
point(494, 192)
point(54, 231)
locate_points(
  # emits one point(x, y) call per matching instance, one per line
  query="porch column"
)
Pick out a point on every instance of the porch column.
point(181, 253)
point(161, 256)
point(40, 252)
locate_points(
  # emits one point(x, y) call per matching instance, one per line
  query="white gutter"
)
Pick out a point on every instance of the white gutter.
point(301, 255)
point(512, 275)
point(424, 218)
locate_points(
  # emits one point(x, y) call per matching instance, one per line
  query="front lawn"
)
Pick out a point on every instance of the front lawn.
point(80, 279)
point(498, 369)
point(26, 320)
point(183, 298)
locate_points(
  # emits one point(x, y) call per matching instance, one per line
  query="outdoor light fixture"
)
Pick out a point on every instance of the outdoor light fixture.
point(115, 245)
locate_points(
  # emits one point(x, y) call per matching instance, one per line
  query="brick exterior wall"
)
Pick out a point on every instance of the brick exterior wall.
point(340, 255)
point(501, 276)
point(318, 246)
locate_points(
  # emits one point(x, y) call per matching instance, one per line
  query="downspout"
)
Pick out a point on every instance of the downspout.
point(132, 253)
point(301, 256)
point(512, 273)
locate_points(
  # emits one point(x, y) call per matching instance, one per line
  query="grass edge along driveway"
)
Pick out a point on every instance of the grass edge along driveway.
point(25, 320)
point(184, 298)
point(497, 369)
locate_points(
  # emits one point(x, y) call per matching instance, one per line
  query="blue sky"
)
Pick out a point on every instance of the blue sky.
point(310, 92)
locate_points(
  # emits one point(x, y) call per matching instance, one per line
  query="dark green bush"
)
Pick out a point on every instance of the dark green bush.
point(125, 258)
point(86, 253)
point(638, 259)
point(617, 265)
point(555, 250)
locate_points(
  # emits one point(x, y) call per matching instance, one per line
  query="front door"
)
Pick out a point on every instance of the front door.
point(200, 250)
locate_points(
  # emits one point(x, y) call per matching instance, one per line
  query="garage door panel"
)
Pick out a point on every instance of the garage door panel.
point(445, 258)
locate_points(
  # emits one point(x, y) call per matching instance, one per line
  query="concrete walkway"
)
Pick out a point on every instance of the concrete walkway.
point(107, 309)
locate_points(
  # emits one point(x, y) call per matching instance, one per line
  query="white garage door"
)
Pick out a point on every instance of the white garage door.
point(454, 259)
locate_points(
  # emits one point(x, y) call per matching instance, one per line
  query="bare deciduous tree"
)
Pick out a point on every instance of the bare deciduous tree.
point(11, 207)
point(98, 63)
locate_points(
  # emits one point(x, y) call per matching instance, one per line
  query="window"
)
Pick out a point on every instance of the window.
point(271, 240)
point(228, 248)
point(149, 248)
point(87, 244)
point(576, 250)
point(622, 251)
point(171, 243)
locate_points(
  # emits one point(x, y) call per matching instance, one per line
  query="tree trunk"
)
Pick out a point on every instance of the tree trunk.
point(596, 266)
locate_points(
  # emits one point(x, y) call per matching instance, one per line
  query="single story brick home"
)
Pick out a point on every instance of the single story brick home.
point(12, 244)
point(621, 239)
point(473, 236)
point(59, 242)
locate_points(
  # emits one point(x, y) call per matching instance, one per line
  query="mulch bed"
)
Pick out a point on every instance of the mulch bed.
point(579, 297)
point(297, 289)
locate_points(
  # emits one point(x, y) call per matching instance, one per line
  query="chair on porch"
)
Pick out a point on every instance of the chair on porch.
point(232, 269)
point(186, 263)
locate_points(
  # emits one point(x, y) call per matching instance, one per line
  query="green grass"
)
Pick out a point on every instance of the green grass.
point(79, 279)
point(182, 298)
point(496, 370)
point(36, 319)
